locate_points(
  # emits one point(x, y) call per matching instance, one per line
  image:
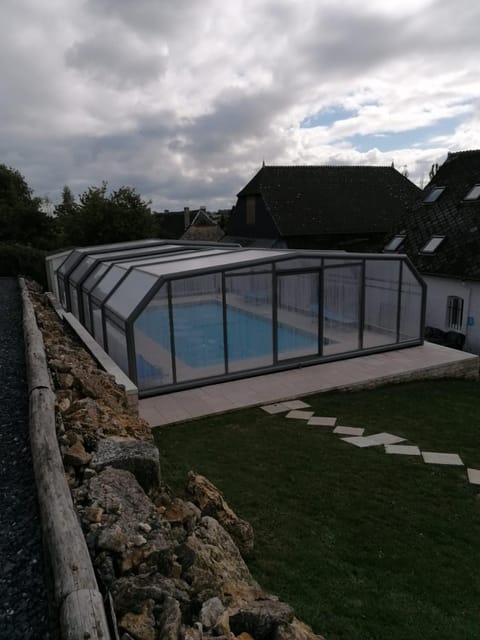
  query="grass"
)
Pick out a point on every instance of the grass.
point(362, 544)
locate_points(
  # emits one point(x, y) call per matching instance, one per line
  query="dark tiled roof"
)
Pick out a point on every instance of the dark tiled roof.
point(451, 216)
point(306, 200)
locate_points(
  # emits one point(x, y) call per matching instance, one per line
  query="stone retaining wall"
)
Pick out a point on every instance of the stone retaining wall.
point(171, 569)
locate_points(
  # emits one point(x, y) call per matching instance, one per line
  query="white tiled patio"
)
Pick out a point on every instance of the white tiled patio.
point(426, 361)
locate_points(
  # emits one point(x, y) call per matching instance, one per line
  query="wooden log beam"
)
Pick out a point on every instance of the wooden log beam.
point(80, 604)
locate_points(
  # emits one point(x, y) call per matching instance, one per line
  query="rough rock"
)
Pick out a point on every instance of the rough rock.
point(261, 618)
point(170, 620)
point(212, 503)
point(129, 591)
point(296, 630)
point(181, 513)
point(210, 558)
point(140, 458)
point(210, 612)
point(76, 456)
point(124, 504)
point(140, 626)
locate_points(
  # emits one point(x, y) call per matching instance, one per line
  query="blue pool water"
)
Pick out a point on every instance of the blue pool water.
point(198, 330)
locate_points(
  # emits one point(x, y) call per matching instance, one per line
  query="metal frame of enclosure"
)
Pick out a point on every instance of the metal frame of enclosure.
point(176, 315)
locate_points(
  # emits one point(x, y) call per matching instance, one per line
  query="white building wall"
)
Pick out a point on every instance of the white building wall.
point(438, 290)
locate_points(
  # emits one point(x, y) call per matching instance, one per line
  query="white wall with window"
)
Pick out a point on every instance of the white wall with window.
point(454, 305)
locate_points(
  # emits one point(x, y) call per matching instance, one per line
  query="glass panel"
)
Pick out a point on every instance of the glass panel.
point(198, 327)
point(74, 301)
point(152, 344)
point(297, 315)
point(97, 324)
point(262, 268)
point(249, 321)
point(82, 267)
point(95, 276)
point(201, 261)
point(61, 291)
point(130, 292)
point(117, 346)
point(70, 261)
point(108, 282)
point(298, 263)
point(341, 309)
point(381, 302)
point(411, 306)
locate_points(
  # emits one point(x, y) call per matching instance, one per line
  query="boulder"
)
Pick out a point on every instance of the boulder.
point(76, 456)
point(169, 620)
point(212, 503)
point(209, 559)
point(140, 626)
point(140, 458)
point(210, 612)
point(129, 591)
point(296, 630)
point(261, 618)
point(124, 505)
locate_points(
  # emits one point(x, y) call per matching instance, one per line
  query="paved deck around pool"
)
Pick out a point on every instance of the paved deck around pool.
point(427, 361)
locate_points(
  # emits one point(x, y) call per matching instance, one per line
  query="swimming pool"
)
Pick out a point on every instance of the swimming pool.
point(198, 331)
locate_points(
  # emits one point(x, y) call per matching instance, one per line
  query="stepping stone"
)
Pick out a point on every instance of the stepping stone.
point(300, 415)
point(473, 476)
point(349, 431)
point(431, 457)
point(278, 407)
point(295, 404)
point(318, 421)
point(403, 449)
point(375, 440)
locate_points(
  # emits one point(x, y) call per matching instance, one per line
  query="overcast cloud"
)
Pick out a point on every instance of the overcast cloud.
point(184, 100)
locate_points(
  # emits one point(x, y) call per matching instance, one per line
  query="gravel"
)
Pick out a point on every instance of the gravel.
point(24, 610)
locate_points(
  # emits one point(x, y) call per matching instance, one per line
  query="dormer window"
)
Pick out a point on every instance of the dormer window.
point(434, 194)
point(395, 243)
point(474, 193)
point(432, 245)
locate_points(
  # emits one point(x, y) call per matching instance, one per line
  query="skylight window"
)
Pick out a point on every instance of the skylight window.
point(432, 245)
point(395, 243)
point(474, 193)
point(434, 194)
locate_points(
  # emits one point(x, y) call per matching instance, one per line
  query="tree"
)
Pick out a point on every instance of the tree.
point(99, 218)
point(22, 220)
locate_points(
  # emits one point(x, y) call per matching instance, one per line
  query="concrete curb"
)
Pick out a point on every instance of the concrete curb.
point(79, 602)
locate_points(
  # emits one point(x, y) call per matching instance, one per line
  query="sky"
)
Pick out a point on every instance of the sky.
point(184, 100)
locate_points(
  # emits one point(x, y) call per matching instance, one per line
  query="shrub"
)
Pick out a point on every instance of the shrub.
point(17, 259)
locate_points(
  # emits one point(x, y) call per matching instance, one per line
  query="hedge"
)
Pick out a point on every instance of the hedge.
point(17, 259)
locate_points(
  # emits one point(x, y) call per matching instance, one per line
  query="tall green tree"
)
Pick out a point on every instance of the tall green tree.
point(100, 218)
point(22, 220)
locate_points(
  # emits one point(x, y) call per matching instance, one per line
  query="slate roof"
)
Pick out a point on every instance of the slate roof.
point(313, 200)
point(458, 255)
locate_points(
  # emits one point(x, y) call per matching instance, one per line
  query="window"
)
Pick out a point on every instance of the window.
point(454, 312)
point(250, 217)
point(474, 193)
point(432, 245)
point(434, 194)
point(395, 243)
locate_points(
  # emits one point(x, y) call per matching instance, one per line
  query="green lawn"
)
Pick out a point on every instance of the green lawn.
point(362, 544)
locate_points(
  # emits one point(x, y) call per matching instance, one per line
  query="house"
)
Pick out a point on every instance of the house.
point(204, 228)
point(321, 207)
point(441, 235)
point(189, 224)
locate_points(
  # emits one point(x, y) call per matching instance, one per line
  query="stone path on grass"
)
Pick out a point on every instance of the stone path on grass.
point(300, 410)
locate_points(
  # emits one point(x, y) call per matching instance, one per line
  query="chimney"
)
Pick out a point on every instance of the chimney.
point(166, 211)
point(186, 217)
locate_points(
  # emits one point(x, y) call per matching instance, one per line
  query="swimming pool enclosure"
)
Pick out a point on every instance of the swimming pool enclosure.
point(176, 314)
